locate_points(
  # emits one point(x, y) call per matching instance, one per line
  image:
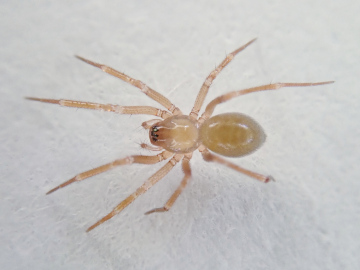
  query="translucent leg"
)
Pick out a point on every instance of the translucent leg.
point(148, 124)
point(141, 190)
point(213, 158)
point(119, 162)
point(150, 147)
point(205, 87)
point(223, 98)
point(106, 107)
point(144, 88)
point(187, 171)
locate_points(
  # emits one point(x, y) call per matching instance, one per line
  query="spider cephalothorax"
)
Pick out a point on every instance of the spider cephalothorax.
point(177, 136)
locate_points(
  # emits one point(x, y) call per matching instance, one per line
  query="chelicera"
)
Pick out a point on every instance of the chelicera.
point(177, 135)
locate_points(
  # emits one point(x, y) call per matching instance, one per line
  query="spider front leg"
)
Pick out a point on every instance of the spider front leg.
point(143, 87)
point(213, 158)
point(141, 190)
point(187, 171)
point(106, 107)
point(205, 87)
point(119, 162)
point(150, 147)
point(148, 124)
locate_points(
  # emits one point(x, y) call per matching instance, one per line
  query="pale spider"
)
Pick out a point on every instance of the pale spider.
point(177, 135)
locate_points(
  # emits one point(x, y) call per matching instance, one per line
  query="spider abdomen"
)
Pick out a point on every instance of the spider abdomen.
point(232, 134)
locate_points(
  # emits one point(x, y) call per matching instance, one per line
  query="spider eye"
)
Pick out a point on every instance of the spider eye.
point(154, 136)
point(153, 131)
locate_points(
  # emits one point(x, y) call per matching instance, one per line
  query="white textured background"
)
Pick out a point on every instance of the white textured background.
point(308, 219)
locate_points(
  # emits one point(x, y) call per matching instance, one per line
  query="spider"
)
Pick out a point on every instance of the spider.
point(177, 135)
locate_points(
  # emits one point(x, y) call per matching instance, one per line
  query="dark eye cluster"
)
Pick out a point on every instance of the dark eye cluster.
point(154, 136)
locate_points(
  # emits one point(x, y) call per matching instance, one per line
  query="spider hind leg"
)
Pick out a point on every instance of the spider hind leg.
point(141, 190)
point(119, 162)
point(187, 171)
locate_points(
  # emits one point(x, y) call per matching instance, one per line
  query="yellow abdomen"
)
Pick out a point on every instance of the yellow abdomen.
point(232, 134)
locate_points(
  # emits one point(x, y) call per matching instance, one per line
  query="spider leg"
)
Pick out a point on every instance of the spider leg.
point(187, 171)
point(107, 107)
point(119, 162)
point(143, 87)
point(148, 124)
point(213, 158)
point(205, 87)
point(141, 190)
point(150, 147)
point(223, 98)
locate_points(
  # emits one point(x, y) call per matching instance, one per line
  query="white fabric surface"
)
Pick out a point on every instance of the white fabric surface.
point(308, 219)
